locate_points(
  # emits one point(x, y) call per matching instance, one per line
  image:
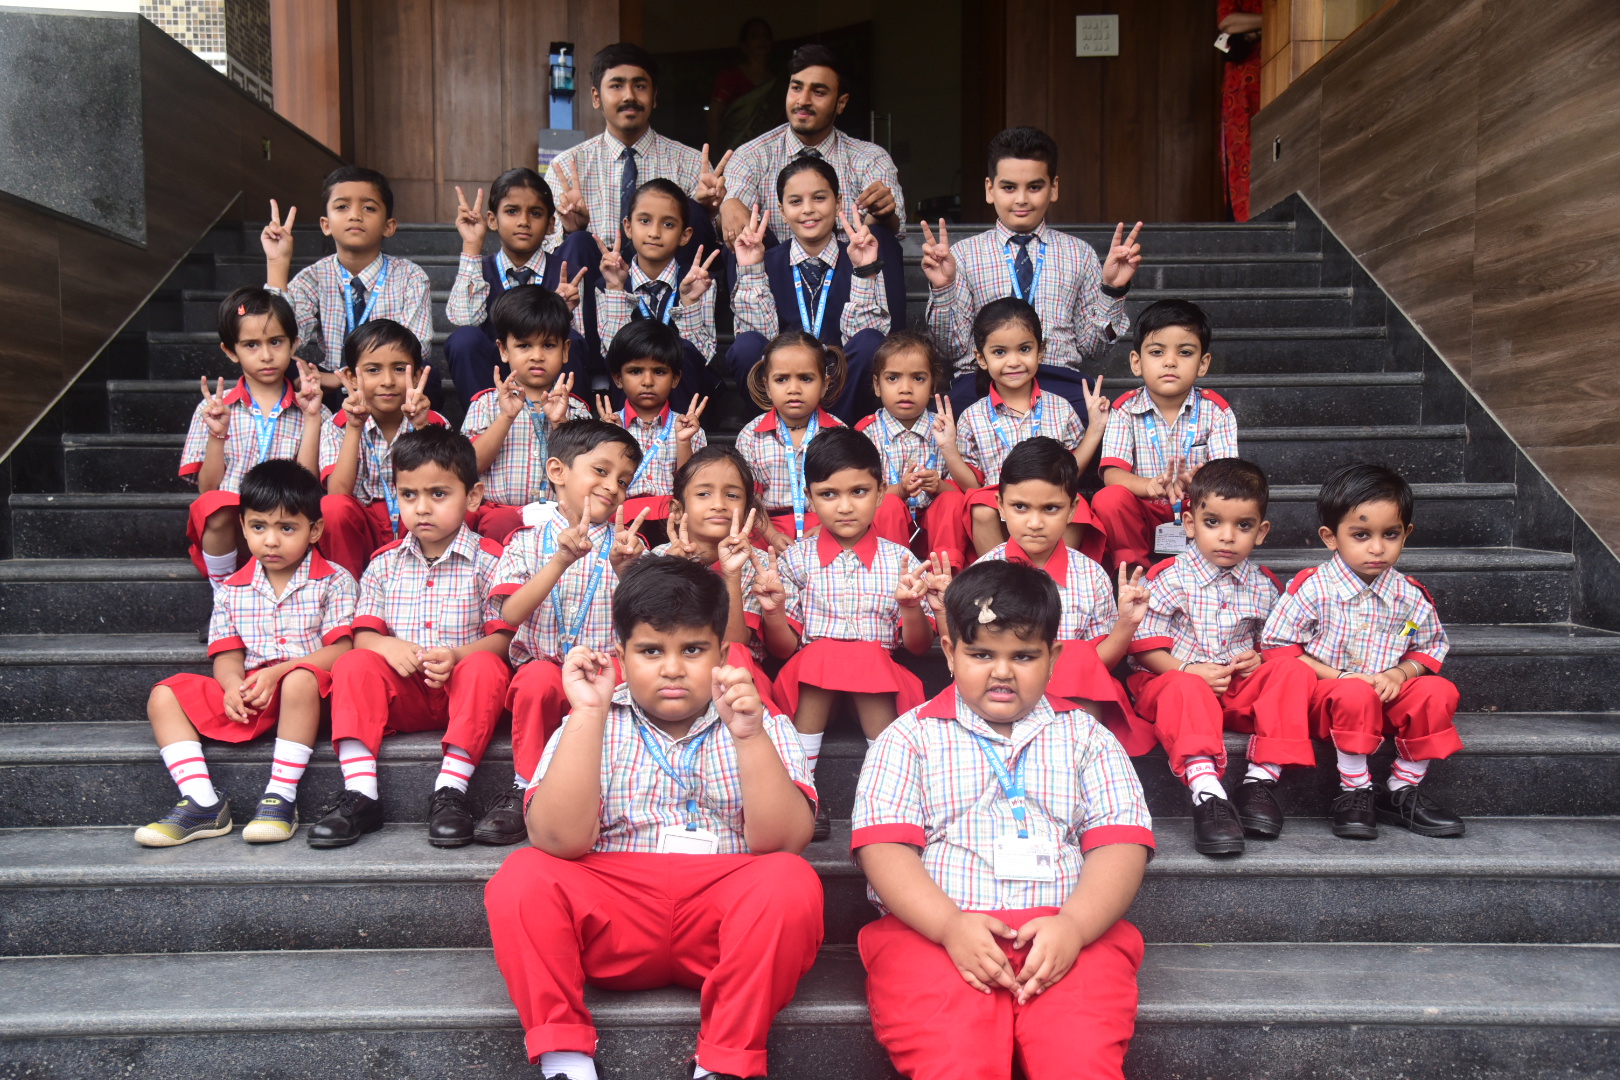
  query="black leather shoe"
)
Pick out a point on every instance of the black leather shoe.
point(1216, 830)
point(1257, 809)
point(1353, 815)
point(503, 822)
point(350, 817)
point(823, 823)
point(1410, 808)
point(450, 818)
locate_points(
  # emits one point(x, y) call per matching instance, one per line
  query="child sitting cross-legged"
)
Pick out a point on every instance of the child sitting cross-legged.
point(278, 626)
point(666, 819)
point(427, 655)
point(1004, 835)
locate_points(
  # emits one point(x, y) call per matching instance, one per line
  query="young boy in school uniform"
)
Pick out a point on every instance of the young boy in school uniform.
point(645, 360)
point(1199, 671)
point(666, 819)
point(1159, 435)
point(1004, 835)
point(426, 655)
point(1081, 302)
point(278, 626)
point(1375, 643)
point(358, 283)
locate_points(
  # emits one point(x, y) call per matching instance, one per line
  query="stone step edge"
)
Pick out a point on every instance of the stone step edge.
point(912, 257)
point(1237, 333)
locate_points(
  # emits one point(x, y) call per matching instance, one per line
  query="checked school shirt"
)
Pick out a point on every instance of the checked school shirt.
point(314, 611)
point(518, 474)
point(901, 447)
point(753, 305)
point(374, 471)
point(761, 444)
point(242, 445)
point(1090, 608)
point(317, 298)
point(1330, 613)
point(529, 549)
point(597, 165)
point(443, 604)
point(845, 594)
point(752, 171)
point(1128, 441)
point(468, 304)
point(1203, 613)
point(639, 798)
point(656, 474)
point(927, 783)
point(987, 430)
point(1078, 321)
point(693, 322)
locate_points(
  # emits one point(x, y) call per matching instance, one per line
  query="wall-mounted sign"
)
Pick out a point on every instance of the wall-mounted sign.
point(1096, 35)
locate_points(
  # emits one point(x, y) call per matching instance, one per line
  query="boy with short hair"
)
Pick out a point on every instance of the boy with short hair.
point(426, 655)
point(1004, 835)
point(1375, 643)
point(1159, 436)
point(645, 363)
point(1081, 302)
point(511, 425)
point(677, 800)
point(279, 624)
point(334, 295)
point(385, 382)
point(1199, 670)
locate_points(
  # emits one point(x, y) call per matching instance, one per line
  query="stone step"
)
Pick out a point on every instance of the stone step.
point(1423, 453)
point(89, 596)
point(1424, 1010)
point(122, 463)
point(1446, 514)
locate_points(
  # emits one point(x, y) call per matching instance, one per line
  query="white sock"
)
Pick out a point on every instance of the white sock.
point(1353, 771)
point(871, 743)
point(287, 768)
point(456, 769)
point(1202, 779)
point(699, 1072)
point(1259, 770)
point(812, 749)
point(190, 772)
point(359, 767)
point(1406, 773)
point(219, 567)
point(519, 780)
point(569, 1063)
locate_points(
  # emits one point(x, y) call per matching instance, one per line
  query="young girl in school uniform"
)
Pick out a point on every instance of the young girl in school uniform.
point(1008, 346)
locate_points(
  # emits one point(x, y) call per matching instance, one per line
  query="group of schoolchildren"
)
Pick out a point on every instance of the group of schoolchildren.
point(404, 577)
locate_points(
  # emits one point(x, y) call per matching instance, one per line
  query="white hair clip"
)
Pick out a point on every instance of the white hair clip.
point(986, 616)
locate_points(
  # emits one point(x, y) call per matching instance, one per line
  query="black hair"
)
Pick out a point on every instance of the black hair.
point(901, 341)
point(666, 592)
point(1041, 458)
point(814, 55)
point(435, 444)
point(622, 54)
point(1228, 478)
point(357, 174)
point(529, 311)
point(998, 313)
point(1167, 313)
point(379, 334)
point(833, 365)
point(1023, 144)
point(742, 35)
point(809, 163)
point(709, 455)
point(1352, 485)
point(839, 448)
point(1020, 597)
point(645, 339)
point(520, 177)
point(670, 189)
point(253, 300)
point(281, 484)
point(576, 437)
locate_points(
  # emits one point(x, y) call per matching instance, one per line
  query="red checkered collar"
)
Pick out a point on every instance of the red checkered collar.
point(313, 568)
point(829, 547)
point(1034, 394)
point(768, 422)
point(239, 395)
point(1057, 563)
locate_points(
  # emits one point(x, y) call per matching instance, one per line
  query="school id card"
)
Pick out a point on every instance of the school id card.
point(1170, 538)
point(1025, 858)
point(679, 840)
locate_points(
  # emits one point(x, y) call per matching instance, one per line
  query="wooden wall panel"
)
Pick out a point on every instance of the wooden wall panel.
point(305, 54)
point(525, 77)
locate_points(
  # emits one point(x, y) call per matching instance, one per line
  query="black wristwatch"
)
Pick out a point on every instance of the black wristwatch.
point(871, 269)
point(1113, 293)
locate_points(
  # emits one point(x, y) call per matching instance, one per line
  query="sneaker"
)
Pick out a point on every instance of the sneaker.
point(1353, 815)
point(1216, 830)
point(349, 817)
point(1411, 808)
point(450, 818)
point(823, 827)
point(503, 822)
point(187, 822)
point(1257, 809)
point(275, 819)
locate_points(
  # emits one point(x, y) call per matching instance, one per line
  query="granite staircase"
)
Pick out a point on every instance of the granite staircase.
point(1492, 956)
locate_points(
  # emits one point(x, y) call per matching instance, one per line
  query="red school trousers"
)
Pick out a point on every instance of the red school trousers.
point(741, 929)
point(1271, 705)
point(1129, 521)
point(202, 508)
point(937, 1027)
point(354, 530)
point(370, 699)
point(1348, 712)
point(536, 700)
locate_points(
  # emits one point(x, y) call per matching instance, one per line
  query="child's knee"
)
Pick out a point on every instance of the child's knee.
point(221, 520)
point(300, 687)
point(986, 515)
point(161, 699)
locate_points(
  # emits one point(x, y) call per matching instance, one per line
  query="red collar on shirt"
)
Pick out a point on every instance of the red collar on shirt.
point(317, 568)
point(828, 547)
point(823, 417)
point(239, 395)
point(631, 416)
point(341, 419)
point(1034, 393)
point(1057, 563)
point(943, 705)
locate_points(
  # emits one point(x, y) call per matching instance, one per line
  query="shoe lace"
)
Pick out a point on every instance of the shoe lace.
point(344, 802)
point(447, 797)
point(1411, 799)
point(1354, 799)
point(510, 799)
point(1218, 809)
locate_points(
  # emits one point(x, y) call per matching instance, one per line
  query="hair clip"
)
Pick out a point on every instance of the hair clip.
point(241, 309)
point(986, 616)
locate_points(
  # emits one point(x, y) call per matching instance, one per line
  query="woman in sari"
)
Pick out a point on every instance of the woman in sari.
point(747, 101)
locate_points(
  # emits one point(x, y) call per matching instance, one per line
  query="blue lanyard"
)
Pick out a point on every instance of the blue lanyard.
point(650, 455)
point(542, 430)
point(687, 778)
point(567, 639)
point(1152, 417)
point(1034, 279)
point(646, 310)
point(267, 424)
point(1011, 783)
point(929, 462)
point(371, 300)
point(796, 469)
point(996, 421)
point(821, 303)
point(383, 470)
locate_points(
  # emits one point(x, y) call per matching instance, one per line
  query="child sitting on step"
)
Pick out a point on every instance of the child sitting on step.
point(1375, 642)
point(666, 819)
point(1004, 835)
point(278, 626)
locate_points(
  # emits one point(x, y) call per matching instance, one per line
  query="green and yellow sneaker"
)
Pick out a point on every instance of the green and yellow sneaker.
point(187, 822)
point(274, 820)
